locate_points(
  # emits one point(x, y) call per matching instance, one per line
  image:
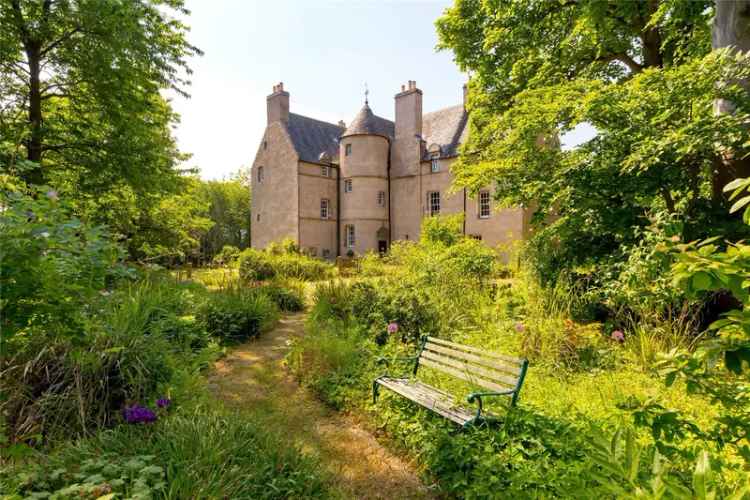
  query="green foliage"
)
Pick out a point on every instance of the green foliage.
point(53, 264)
point(107, 475)
point(642, 74)
point(581, 385)
point(373, 305)
point(371, 265)
point(331, 363)
point(172, 228)
point(445, 229)
point(331, 302)
point(228, 256)
point(197, 454)
point(97, 122)
point(621, 466)
point(301, 267)
point(130, 349)
point(255, 265)
point(718, 367)
point(472, 258)
point(229, 210)
point(282, 260)
point(289, 296)
point(283, 247)
point(237, 314)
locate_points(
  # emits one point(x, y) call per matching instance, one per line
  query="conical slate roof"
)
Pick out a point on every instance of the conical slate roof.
point(366, 123)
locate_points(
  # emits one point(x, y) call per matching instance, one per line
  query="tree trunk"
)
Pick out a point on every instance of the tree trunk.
point(651, 39)
point(34, 143)
point(731, 28)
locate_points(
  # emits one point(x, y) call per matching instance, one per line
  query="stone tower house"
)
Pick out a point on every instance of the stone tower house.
point(337, 190)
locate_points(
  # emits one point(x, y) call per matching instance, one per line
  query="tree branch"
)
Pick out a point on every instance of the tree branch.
point(62, 39)
point(20, 22)
point(623, 58)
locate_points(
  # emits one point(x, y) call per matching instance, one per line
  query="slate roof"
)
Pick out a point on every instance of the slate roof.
point(367, 123)
point(312, 137)
point(447, 128)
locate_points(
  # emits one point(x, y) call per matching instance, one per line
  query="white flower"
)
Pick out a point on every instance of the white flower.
point(44, 234)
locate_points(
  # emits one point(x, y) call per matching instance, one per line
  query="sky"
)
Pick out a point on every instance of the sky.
point(324, 51)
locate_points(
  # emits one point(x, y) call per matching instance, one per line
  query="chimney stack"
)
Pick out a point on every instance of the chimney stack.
point(277, 104)
point(409, 111)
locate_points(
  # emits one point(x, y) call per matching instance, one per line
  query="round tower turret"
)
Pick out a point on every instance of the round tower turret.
point(364, 154)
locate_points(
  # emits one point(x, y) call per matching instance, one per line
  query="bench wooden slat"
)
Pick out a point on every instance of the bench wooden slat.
point(497, 365)
point(420, 395)
point(510, 359)
point(459, 374)
point(455, 363)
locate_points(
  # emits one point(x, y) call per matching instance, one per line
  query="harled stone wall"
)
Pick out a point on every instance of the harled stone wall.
point(275, 200)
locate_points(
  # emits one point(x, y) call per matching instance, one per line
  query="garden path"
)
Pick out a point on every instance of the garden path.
point(253, 378)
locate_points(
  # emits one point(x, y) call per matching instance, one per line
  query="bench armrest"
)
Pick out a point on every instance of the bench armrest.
point(382, 360)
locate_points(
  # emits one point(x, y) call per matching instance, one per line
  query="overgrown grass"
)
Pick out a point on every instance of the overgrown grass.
point(584, 382)
point(195, 454)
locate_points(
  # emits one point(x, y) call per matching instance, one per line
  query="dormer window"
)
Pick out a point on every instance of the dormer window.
point(260, 175)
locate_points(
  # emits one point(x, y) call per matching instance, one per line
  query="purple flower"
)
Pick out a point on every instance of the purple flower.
point(163, 402)
point(138, 414)
point(392, 327)
point(519, 327)
point(52, 195)
point(618, 336)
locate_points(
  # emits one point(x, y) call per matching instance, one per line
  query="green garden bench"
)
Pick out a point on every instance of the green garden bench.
point(496, 374)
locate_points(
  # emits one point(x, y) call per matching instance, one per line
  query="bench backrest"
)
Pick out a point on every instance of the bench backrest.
point(492, 371)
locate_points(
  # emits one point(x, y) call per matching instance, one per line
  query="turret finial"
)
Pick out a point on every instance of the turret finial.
point(367, 93)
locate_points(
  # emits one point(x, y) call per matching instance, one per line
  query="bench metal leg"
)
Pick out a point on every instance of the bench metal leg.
point(376, 389)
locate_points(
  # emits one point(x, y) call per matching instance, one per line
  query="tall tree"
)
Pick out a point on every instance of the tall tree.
point(641, 72)
point(80, 84)
point(229, 209)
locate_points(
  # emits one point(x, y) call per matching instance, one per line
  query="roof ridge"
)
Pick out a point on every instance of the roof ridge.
point(442, 109)
point(316, 120)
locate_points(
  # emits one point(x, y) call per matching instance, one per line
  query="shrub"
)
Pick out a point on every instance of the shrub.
point(53, 264)
point(331, 301)
point(442, 229)
point(237, 314)
point(228, 256)
point(371, 264)
point(128, 351)
point(287, 246)
point(288, 296)
point(255, 265)
point(374, 306)
point(93, 477)
point(471, 258)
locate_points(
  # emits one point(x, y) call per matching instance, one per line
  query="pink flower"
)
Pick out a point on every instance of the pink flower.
point(618, 336)
point(392, 327)
point(519, 327)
